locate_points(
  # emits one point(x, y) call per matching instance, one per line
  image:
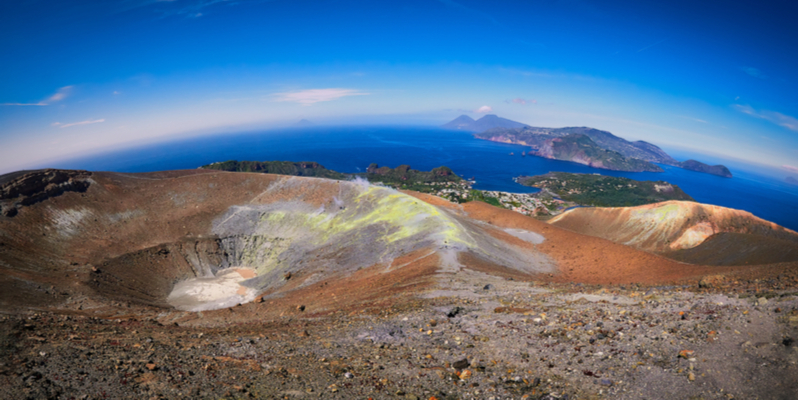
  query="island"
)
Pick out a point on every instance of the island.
point(604, 191)
point(303, 168)
point(497, 129)
point(583, 150)
point(719, 170)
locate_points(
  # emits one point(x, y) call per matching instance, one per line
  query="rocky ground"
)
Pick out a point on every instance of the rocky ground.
point(483, 338)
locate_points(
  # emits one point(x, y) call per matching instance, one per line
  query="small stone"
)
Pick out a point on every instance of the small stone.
point(455, 311)
point(150, 366)
point(465, 374)
point(691, 376)
point(348, 375)
point(686, 354)
point(487, 287)
point(762, 301)
point(410, 396)
point(301, 308)
point(461, 364)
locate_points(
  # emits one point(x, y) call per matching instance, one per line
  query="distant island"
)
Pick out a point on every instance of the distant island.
point(719, 170)
point(465, 123)
point(604, 191)
point(304, 168)
point(497, 129)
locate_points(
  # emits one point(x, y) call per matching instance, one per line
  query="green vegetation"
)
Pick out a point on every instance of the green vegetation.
point(304, 168)
point(605, 191)
point(403, 177)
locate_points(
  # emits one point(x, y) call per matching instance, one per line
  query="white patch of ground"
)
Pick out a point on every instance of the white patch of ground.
point(527, 236)
point(212, 293)
point(68, 223)
point(594, 298)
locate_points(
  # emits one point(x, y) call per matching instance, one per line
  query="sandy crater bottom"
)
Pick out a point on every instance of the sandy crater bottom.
point(214, 292)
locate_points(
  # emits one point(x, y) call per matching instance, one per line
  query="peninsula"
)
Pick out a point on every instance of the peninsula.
point(604, 191)
point(497, 129)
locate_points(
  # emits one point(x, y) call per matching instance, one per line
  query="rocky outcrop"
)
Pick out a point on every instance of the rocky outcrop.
point(28, 188)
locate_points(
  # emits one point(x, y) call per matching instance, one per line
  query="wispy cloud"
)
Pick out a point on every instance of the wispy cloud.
point(789, 168)
point(311, 96)
point(695, 119)
point(520, 100)
point(87, 122)
point(771, 116)
point(189, 9)
point(59, 95)
point(484, 110)
point(754, 72)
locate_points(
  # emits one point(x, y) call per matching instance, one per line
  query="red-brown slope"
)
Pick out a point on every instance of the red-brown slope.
point(587, 259)
point(671, 228)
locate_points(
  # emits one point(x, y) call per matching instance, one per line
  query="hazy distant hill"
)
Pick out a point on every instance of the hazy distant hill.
point(463, 122)
point(488, 121)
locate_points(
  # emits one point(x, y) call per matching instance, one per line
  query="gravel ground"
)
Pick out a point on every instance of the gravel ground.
point(484, 338)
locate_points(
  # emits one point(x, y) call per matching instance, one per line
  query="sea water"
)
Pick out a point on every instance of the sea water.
point(352, 149)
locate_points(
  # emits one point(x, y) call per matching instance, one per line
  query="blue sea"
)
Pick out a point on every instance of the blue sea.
point(352, 149)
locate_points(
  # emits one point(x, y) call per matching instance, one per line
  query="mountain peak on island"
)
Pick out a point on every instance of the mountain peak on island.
point(486, 122)
point(462, 122)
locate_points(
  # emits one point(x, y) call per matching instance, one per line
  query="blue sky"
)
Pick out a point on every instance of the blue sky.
point(88, 76)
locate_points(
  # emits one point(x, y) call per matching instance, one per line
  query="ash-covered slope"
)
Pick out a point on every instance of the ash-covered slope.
point(672, 228)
